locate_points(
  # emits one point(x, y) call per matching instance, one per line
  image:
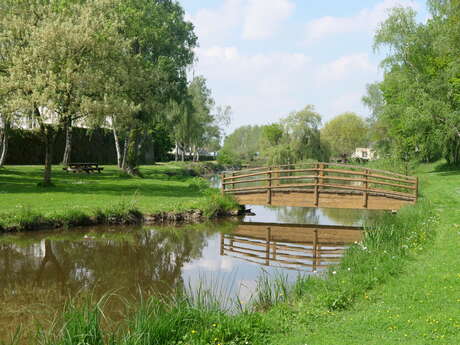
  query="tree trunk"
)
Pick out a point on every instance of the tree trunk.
point(182, 152)
point(49, 136)
point(4, 142)
point(132, 153)
point(68, 142)
point(176, 153)
point(117, 148)
point(125, 153)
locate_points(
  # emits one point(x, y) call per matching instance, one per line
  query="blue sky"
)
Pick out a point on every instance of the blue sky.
point(266, 58)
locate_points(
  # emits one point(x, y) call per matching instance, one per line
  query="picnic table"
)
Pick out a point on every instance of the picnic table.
point(83, 167)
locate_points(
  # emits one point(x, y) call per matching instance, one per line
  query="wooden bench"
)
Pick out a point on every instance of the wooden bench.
point(83, 167)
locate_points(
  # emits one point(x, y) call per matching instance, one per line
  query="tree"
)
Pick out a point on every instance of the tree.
point(378, 130)
point(163, 43)
point(345, 133)
point(272, 134)
point(243, 144)
point(63, 68)
point(302, 133)
point(421, 82)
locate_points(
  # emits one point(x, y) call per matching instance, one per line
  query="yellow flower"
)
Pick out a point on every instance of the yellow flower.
point(193, 331)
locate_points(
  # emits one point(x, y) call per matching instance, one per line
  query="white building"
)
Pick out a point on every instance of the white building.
point(364, 153)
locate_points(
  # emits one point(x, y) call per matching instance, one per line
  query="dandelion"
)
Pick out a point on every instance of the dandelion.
point(193, 331)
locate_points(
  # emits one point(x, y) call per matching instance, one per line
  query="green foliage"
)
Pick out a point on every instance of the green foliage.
point(272, 134)
point(302, 133)
point(420, 114)
point(198, 184)
point(230, 158)
point(344, 133)
point(243, 144)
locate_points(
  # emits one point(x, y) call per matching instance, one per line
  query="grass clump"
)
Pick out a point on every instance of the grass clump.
point(123, 212)
point(217, 204)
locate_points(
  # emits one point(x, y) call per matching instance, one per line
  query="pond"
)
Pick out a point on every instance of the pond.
point(40, 271)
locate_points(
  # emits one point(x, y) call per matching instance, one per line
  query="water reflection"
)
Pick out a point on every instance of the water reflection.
point(39, 271)
point(289, 246)
point(306, 215)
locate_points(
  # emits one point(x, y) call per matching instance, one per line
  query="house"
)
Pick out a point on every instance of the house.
point(364, 153)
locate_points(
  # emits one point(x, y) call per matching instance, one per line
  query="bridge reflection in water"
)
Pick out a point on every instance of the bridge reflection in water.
point(301, 247)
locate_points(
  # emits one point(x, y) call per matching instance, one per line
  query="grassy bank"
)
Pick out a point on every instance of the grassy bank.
point(110, 197)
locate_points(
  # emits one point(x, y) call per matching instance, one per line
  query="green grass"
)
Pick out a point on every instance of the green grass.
point(412, 299)
point(110, 195)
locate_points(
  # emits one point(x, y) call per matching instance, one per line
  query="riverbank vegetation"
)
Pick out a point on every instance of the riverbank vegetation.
point(167, 191)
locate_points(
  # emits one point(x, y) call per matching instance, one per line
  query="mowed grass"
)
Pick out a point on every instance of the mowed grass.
point(419, 306)
point(165, 187)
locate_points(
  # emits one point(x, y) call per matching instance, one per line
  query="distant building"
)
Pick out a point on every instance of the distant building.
point(364, 153)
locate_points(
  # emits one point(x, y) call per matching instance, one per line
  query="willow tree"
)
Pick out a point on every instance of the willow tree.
point(61, 69)
point(421, 86)
point(345, 133)
point(301, 133)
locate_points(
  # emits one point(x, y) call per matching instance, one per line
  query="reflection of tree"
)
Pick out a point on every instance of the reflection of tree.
point(151, 260)
point(349, 216)
point(299, 215)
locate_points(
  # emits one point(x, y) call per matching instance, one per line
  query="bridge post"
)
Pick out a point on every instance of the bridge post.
point(315, 251)
point(233, 180)
point(416, 189)
point(222, 178)
point(365, 193)
point(316, 185)
point(269, 186)
point(222, 244)
point(267, 246)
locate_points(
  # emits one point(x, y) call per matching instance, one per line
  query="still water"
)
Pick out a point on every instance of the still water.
point(40, 271)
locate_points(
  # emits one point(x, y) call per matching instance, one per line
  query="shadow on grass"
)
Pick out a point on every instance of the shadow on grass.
point(447, 169)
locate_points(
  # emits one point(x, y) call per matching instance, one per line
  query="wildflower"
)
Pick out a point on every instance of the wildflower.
point(193, 331)
point(349, 268)
point(334, 272)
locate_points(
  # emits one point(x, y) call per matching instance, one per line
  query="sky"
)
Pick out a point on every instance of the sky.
point(267, 58)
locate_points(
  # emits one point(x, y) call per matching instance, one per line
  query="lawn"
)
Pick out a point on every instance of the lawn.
point(165, 187)
point(420, 306)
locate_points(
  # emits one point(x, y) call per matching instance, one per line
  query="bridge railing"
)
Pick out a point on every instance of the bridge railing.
point(322, 177)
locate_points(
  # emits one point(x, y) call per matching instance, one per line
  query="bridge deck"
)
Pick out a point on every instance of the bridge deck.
point(322, 185)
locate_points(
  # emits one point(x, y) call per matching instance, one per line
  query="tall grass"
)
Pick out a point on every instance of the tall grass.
point(159, 321)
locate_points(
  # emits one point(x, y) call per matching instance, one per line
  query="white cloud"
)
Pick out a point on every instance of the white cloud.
point(263, 18)
point(366, 20)
point(217, 24)
point(257, 86)
point(344, 67)
point(250, 19)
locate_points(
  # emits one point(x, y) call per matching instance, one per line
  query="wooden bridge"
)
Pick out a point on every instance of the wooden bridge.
point(291, 246)
point(326, 185)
